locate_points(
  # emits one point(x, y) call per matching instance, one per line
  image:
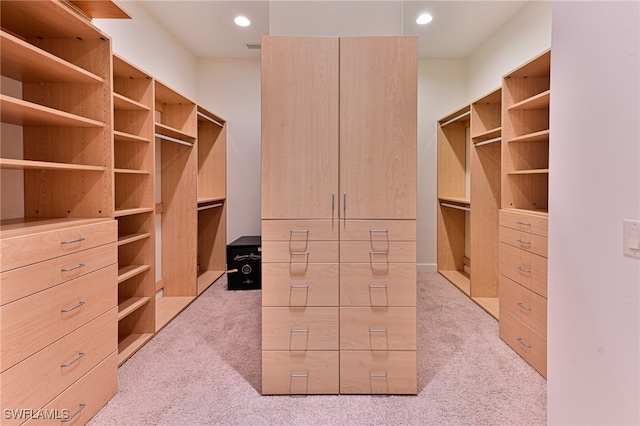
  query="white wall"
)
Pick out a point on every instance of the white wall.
point(594, 291)
point(231, 88)
point(146, 44)
point(526, 35)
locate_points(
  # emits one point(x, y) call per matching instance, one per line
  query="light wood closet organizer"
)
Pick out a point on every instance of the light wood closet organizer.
point(58, 299)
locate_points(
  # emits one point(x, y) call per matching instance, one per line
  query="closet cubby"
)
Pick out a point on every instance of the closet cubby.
point(454, 201)
point(486, 138)
point(176, 133)
point(212, 193)
point(526, 94)
point(134, 201)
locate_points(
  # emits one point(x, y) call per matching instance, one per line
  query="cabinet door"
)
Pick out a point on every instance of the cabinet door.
point(299, 127)
point(378, 127)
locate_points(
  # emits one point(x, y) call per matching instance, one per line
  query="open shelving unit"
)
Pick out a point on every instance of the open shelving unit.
point(486, 143)
point(176, 131)
point(134, 165)
point(212, 194)
point(454, 202)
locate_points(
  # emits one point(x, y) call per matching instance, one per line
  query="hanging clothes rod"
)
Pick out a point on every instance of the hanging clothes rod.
point(206, 117)
point(488, 141)
point(210, 206)
point(455, 206)
point(464, 114)
point(170, 139)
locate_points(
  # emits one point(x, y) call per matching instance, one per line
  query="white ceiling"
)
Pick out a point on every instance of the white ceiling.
point(206, 27)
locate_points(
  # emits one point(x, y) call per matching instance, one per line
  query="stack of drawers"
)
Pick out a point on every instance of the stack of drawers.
point(58, 314)
point(378, 307)
point(300, 307)
point(523, 285)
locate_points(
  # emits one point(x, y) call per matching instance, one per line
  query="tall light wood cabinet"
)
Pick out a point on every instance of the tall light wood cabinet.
point(338, 209)
point(58, 267)
point(525, 210)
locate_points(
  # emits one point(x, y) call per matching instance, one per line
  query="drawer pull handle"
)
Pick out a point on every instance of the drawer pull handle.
point(68, 419)
point(524, 270)
point(78, 266)
point(523, 307)
point(299, 253)
point(377, 286)
point(73, 307)
point(299, 330)
point(73, 361)
point(305, 285)
point(523, 343)
point(299, 231)
point(523, 241)
point(377, 330)
point(77, 240)
point(305, 374)
point(379, 252)
point(523, 223)
point(372, 374)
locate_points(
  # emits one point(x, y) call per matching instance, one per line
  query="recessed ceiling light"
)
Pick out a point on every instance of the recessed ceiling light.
point(424, 19)
point(242, 21)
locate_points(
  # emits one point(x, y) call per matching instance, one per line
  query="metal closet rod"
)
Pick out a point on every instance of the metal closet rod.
point(488, 141)
point(455, 206)
point(464, 114)
point(206, 117)
point(170, 139)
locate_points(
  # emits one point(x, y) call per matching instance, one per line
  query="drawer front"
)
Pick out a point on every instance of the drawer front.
point(300, 372)
point(528, 307)
point(299, 230)
point(60, 364)
point(31, 323)
point(536, 224)
point(378, 230)
point(85, 397)
point(524, 240)
point(25, 250)
point(523, 267)
point(378, 252)
point(300, 252)
point(293, 284)
point(378, 372)
point(21, 282)
point(378, 284)
point(527, 343)
point(299, 329)
point(378, 329)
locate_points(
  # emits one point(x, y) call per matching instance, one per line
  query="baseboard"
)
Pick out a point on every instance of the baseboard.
point(427, 267)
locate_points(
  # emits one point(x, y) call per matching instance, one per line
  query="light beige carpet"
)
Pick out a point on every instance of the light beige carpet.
point(204, 368)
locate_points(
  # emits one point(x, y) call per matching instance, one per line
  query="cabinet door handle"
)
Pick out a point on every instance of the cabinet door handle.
point(73, 361)
point(523, 343)
point(523, 223)
point(523, 241)
point(77, 240)
point(73, 307)
point(73, 268)
point(523, 307)
point(372, 374)
point(305, 285)
point(68, 419)
point(524, 270)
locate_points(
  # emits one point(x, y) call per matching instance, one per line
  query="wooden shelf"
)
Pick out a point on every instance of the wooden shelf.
point(129, 212)
point(10, 228)
point(459, 200)
point(168, 308)
point(489, 134)
point(8, 163)
point(541, 136)
point(460, 116)
point(124, 103)
point(209, 200)
point(25, 62)
point(458, 278)
point(206, 278)
point(164, 130)
point(489, 304)
point(23, 113)
point(543, 213)
point(130, 344)
point(130, 271)
point(129, 305)
point(132, 171)
point(130, 238)
point(539, 101)
point(529, 172)
point(127, 137)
